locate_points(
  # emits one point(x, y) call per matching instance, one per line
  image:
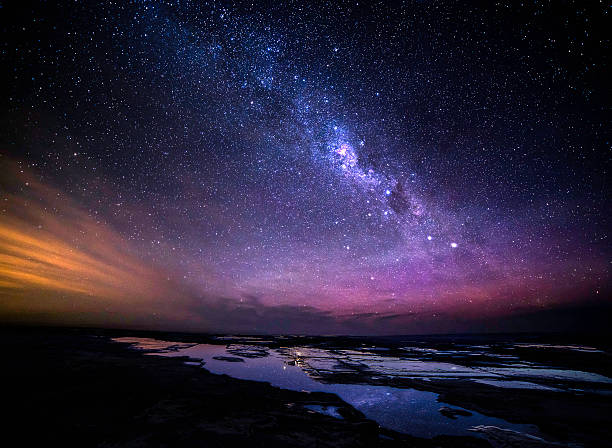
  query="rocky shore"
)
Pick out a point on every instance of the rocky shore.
point(68, 387)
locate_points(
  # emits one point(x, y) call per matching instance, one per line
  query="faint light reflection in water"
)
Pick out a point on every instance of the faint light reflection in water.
point(409, 411)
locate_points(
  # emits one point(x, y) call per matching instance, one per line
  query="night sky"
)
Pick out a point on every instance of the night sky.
point(333, 167)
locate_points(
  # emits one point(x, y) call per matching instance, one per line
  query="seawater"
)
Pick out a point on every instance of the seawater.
point(408, 411)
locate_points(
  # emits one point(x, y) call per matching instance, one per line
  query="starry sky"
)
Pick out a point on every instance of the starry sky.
point(304, 167)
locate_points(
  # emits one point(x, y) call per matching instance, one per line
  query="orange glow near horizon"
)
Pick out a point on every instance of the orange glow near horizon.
point(56, 258)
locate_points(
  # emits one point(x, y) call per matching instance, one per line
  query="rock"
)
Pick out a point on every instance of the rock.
point(453, 413)
point(228, 358)
point(506, 438)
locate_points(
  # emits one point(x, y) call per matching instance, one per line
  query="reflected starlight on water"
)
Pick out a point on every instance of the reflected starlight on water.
point(407, 410)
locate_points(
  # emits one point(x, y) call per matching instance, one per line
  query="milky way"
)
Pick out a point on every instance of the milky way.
point(346, 167)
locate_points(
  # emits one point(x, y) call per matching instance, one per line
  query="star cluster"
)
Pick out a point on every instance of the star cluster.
point(358, 166)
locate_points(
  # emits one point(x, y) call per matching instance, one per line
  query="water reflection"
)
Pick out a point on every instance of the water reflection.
point(405, 410)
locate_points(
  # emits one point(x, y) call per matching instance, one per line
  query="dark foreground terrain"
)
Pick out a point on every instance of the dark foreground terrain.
point(77, 388)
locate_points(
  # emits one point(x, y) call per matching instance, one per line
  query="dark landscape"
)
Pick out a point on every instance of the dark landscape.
point(78, 387)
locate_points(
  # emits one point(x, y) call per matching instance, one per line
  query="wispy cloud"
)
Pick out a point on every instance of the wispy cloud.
point(57, 257)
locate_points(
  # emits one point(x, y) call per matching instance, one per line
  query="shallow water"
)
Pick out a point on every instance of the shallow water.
point(405, 410)
point(332, 411)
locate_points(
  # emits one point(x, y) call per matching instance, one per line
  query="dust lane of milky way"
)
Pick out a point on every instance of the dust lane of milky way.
point(413, 167)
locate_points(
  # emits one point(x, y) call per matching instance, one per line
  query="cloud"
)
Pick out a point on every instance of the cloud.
point(57, 258)
point(60, 263)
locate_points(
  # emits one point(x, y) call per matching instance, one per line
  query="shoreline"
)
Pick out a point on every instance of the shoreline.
point(79, 389)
